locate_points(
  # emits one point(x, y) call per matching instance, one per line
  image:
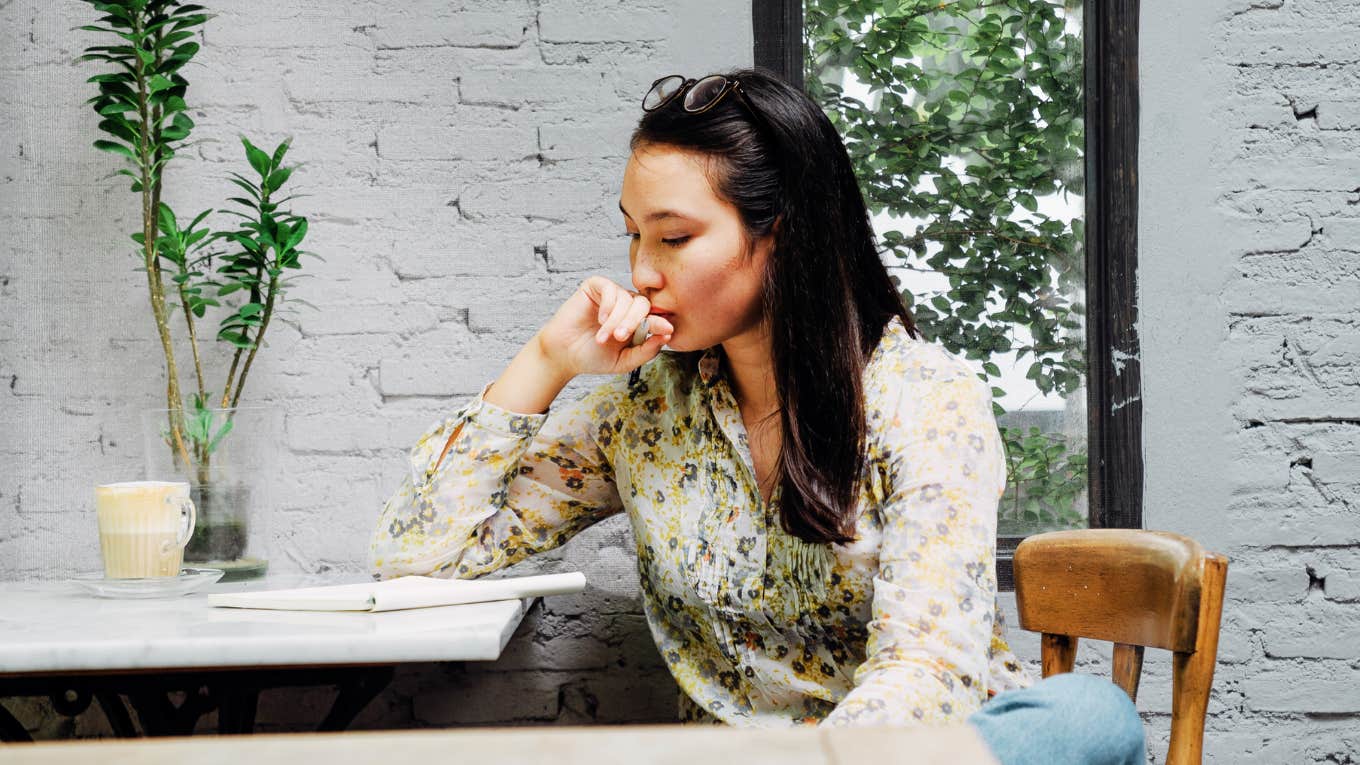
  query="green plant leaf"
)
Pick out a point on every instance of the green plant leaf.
point(295, 234)
point(258, 159)
point(279, 151)
point(278, 178)
point(226, 428)
point(116, 148)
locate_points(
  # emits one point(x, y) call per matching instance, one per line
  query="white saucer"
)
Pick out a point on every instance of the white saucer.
point(188, 580)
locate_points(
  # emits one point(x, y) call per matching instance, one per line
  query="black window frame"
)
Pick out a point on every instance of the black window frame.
point(1114, 375)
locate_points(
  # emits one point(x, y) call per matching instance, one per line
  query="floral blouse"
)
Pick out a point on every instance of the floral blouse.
point(758, 628)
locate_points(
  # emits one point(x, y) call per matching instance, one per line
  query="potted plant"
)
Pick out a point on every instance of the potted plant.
point(141, 103)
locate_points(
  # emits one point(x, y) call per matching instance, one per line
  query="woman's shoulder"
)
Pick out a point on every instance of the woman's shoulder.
point(902, 360)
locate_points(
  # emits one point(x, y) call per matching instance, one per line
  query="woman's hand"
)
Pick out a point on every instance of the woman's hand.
point(592, 332)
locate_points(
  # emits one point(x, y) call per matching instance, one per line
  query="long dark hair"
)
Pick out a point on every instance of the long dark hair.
point(826, 294)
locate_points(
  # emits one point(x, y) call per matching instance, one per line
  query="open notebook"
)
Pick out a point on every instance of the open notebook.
point(403, 592)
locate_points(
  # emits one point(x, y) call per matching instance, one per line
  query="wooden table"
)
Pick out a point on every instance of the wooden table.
point(76, 648)
point(599, 745)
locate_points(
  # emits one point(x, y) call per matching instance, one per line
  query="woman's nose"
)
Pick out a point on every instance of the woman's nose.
point(645, 277)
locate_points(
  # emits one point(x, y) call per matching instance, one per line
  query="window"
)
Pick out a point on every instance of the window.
point(996, 143)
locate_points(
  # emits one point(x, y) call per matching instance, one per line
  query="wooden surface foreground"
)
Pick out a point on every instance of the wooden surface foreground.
point(596, 745)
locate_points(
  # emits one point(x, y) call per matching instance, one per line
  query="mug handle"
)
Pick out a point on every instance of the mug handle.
point(185, 503)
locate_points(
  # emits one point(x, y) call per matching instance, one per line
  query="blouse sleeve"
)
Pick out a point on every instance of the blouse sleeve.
point(509, 486)
point(931, 625)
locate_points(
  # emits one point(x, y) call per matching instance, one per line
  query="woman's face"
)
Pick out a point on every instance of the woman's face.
point(686, 252)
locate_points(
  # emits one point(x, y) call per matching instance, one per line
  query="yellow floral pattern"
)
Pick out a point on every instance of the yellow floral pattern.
point(758, 628)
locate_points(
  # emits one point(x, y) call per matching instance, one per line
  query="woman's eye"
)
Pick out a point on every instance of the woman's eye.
point(677, 242)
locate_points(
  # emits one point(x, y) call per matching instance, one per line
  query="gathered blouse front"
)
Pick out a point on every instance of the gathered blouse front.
point(758, 627)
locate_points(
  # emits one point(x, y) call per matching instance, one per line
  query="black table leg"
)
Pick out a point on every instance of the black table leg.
point(117, 714)
point(234, 694)
point(355, 694)
point(236, 712)
point(10, 728)
point(160, 717)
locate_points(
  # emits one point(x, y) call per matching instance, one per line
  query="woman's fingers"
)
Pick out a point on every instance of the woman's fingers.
point(659, 325)
point(608, 296)
point(615, 317)
point(637, 355)
point(637, 311)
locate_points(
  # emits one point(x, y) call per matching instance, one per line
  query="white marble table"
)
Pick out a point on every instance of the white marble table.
point(55, 628)
point(57, 640)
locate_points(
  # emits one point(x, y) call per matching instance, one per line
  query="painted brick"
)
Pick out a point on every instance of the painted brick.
point(569, 141)
point(438, 142)
point(1289, 686)
point(575, 21)
point(495, 24)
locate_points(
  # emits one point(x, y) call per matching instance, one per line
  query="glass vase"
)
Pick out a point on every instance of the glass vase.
point(226, 456)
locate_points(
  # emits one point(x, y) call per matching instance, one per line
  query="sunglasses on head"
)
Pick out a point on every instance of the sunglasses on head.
point(697, 96)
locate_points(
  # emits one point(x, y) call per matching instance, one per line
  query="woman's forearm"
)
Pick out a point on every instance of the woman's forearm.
point(530, 383)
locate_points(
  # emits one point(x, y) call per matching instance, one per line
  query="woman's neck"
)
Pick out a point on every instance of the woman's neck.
point(749, 364)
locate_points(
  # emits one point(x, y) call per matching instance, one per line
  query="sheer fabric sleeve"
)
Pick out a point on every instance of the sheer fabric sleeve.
point(510, 485)
point(931, 627)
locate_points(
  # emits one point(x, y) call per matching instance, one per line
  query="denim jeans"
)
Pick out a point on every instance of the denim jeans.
point(1067, 718)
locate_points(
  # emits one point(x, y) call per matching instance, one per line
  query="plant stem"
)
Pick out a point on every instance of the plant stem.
point(193, 340)
point(151, 258)
point(226, 389)
point(259, 337)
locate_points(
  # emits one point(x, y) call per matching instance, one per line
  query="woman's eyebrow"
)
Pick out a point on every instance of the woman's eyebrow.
point(658, 215)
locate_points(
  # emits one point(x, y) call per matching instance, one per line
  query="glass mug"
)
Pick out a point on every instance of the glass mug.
point(143, 527)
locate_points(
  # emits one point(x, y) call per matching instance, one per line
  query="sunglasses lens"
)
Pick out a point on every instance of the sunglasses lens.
point(705, 92)
point(661, 91)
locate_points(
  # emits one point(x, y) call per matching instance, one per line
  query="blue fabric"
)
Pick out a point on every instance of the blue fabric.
point(1067, 718)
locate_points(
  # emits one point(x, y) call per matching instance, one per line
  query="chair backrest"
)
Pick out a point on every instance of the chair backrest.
point(1133, 588)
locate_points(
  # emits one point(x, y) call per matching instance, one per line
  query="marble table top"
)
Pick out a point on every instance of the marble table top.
point(56, 628)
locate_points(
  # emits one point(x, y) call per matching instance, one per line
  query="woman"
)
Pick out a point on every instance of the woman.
point(812, 486)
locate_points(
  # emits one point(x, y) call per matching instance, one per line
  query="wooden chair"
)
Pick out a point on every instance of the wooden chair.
point(1135, 589)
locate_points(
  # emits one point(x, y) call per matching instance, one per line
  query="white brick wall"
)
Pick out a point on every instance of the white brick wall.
point(1248, 296)
point(458, 157)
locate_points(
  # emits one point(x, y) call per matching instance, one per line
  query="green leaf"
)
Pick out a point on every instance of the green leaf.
point(280, 151)
point(173, 38)
point(158, 83)
point(120, 128)
point(226, 428)
point(244, 184)
point(258, 159)
point(295, 234)
point(116, 148)
point(186, 51)
point(236, 338)
point(117, 107)
point(111, 77)
point(278, 178)
point(199, 218)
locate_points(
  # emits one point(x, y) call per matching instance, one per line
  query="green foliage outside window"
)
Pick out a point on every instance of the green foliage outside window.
point(976, 113)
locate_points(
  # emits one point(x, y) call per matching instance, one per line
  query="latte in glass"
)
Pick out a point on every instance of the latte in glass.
point(143, 527)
